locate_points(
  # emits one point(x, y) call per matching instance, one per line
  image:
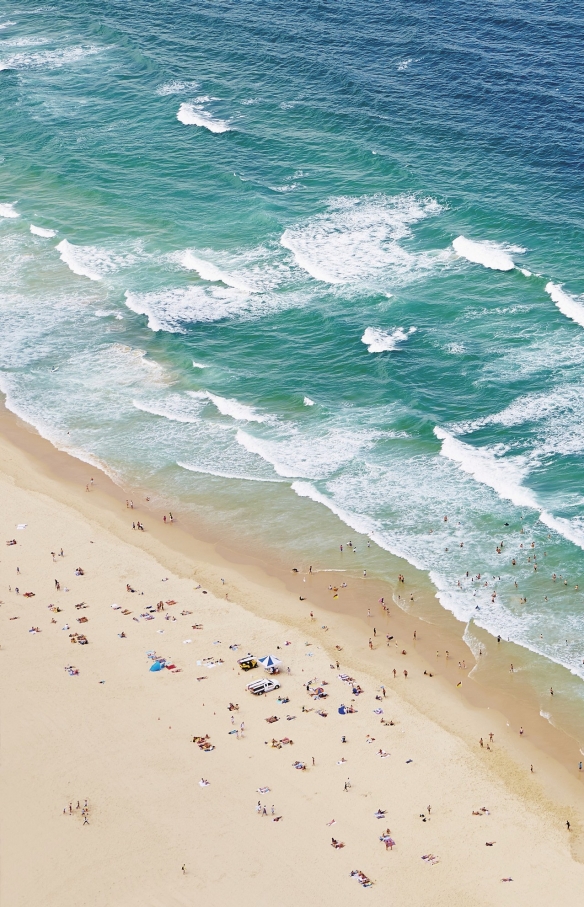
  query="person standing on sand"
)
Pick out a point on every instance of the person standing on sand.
point(184, 869)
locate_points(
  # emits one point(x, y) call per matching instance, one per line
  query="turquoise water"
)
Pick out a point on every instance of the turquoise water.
point(257, 253)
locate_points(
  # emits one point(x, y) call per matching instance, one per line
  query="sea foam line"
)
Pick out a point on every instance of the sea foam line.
point(225, 475)
point(71, 257)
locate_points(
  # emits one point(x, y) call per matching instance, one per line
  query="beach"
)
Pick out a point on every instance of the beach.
point(93, 723)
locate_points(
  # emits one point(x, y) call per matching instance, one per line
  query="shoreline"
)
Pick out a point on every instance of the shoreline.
point(260, 584)
point(123, 737)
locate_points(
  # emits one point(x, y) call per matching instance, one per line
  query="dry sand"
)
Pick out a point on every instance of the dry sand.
point(122, 737)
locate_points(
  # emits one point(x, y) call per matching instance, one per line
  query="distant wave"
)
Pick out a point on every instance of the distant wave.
point(378, 341)
point(208, 271)
point(196, 115)
point(308, 401)
point(224, 474)
point(51, 59)
point(42, 231)
point(359, 239)
point(7, 210)
point(488, 254)
point(567, 305)
point(199, 365)
point(228, 407)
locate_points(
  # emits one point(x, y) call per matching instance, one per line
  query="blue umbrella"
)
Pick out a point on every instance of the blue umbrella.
point(157, 666)
point(269, 661)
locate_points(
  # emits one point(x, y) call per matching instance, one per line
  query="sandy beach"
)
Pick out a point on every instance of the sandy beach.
point(421, 809)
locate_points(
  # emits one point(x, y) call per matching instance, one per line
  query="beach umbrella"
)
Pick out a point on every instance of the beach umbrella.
point(269, 661)
point(157, 666)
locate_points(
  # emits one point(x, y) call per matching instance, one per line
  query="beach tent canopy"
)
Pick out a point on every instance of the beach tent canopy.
point(269, 661)
point(157, 666)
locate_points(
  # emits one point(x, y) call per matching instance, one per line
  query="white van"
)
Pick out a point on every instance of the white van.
point(265, 685)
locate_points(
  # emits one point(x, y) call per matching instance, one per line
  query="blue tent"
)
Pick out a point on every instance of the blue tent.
point(157, 666)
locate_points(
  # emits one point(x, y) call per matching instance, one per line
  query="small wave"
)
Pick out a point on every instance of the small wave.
point(224, 474)
point(208, 271)
point(199, 365)
point(6, 25)
point(567, 305)
point(7, 210)
point(50, 59)
point(308, 401)
point(196, 115)
point(168, 411)
point(42, 231)
point(176, 87)
point(488, 254)
point(228, 407)
point(403, 64)
point(380, 341)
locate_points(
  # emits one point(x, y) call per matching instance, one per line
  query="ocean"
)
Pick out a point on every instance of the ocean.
point(276, 262)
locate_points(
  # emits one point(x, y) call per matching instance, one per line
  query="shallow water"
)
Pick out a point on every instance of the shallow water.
point(254, 254)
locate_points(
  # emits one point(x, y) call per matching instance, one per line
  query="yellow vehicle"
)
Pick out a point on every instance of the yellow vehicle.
point(247, 663)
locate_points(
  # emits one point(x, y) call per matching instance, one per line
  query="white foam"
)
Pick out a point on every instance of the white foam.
point(196, 115)
point(378, 341)
point(170, 309)
point(42, 231)
point(228, 407)
point(7, 210)
point(6, 25)
point(176, 87)
point(224, 474)
point(567, 305)
point(199, 365)
point(489, 254)
point(50, 59)
point(208, 271)
point(358, 239)
point(403, 64)
point(308, 401)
